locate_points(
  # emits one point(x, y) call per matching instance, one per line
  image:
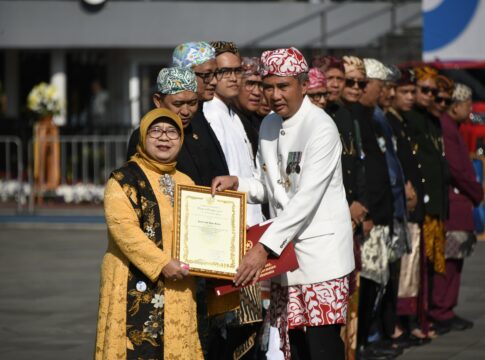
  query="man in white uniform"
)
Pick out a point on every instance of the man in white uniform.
point(300, 175)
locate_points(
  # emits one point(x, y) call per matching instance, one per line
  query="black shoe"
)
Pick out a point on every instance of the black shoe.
point(441, 327)
point(417, 341)
point(372, 354)
point(385, 348)
point(404, 341)
point(459, 324)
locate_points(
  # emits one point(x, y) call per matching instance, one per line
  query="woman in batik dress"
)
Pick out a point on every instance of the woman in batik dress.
point(147, 306)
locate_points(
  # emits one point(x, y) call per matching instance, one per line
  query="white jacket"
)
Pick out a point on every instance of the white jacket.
point(311, 208)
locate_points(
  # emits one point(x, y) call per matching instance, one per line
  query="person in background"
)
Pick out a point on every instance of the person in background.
point(248, 102)
point(236, 323)
point(425, 133)
point(303, 184)
point(263, 109)
point(410, 305)
point(317, 88)
point(147, 305)
point(464, 193)
point(226, 123)
point(353, 178)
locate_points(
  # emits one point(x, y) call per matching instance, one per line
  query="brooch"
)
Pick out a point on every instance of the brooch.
point(167, 185)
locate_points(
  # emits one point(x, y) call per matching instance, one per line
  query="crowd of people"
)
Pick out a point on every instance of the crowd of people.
point(359, 164)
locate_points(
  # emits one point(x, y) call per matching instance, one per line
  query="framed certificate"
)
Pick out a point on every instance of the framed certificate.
point(210, 232)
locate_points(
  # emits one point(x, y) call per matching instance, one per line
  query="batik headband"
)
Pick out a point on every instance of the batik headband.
point(461, 93)
point(444, 84)
point(352, 63)
point(222, 47)
point(325, 63)
point(316, 79)
point(425, 72)
point(376, 70)
point(283, 62)
point(406, 77)
point(174, 80)
point(251, 66)
point(191, 54)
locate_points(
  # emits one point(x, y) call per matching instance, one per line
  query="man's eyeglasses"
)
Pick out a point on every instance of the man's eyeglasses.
point(351, 83)
point(441, 100)
point(226, 72)
point(206, 77)
point(157, 133)
point(251, 85)
point(426, 90)
point(318, 96)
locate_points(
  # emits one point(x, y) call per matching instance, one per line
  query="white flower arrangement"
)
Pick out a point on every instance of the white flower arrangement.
point(44, 100)
point(14, 190)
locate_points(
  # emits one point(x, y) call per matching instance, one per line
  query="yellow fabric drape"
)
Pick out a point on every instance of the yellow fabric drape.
point(47, 172)
point(434, 242)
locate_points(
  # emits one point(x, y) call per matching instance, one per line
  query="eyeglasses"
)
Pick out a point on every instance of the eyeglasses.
point(157, 133)
point(206, 77)
point(251, 84)
point(318, 96)
point(360, 83)
point(426, 90)
point(226, 72)
point(440, 100)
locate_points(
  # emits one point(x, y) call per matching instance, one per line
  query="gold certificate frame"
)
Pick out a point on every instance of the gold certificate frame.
point(210, 232)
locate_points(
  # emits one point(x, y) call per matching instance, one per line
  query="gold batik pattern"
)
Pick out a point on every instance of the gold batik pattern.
point(434, 242)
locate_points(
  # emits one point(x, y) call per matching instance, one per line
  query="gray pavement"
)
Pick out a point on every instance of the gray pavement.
point(49, 293)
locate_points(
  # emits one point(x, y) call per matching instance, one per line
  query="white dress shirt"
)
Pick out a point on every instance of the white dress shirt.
point(236, 147)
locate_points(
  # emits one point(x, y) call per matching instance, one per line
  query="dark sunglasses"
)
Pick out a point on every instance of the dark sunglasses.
point(440, 100)
point(426, 90)
point(318, 96)
point(360, 83)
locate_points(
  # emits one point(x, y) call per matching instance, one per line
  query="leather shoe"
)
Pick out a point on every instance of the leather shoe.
point(369, 353)
point(459, 324)
point(441, 327)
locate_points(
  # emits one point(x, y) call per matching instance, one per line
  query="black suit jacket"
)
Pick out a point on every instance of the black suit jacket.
point(380, 201)
point(408, 161)
point(201, 156)
point(425, 132)
point(353, 172)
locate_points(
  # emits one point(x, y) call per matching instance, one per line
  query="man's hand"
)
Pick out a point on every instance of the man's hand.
point(411, 197)
point(357, 212)
point(175, 270)
point(221, 183)
point(251, 266)
point(367, 226)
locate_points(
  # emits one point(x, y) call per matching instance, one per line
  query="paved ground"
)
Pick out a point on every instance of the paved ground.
point(49, 292)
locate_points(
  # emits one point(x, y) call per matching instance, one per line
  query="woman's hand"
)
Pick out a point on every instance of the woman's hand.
point(175, 270)
point(221, 183)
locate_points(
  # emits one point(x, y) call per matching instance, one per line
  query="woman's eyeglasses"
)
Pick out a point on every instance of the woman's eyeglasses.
point(426, 90)
point(351, 83)
point(226, 72)
point(206, 77)
point(441, 100)
point(157, 133)
point(318, 96)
